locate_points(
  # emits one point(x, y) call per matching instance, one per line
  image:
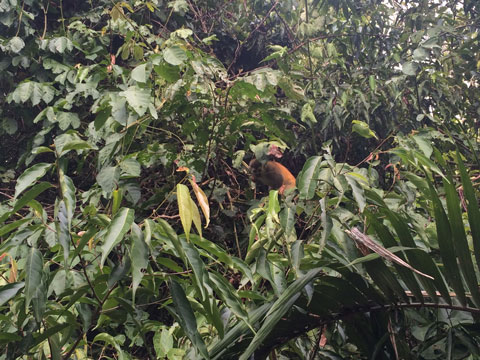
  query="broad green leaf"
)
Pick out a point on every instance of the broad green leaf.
point(357, 191)
point(70, 141)
point(162, 342)
point(420, 54)
point(362, 129)
point(9, 291)
point(186, 318)
point(203, 285)
point(63, 230)
point(138, 98)
point(278, 310)
point(183, 33)
point(33, 91)
point(67, 119)
point(102, 117)
point(68, 194)
point(33, 274)
point(60, 44)
point(287, 220)
point(409, 68)
point(140, 73)
point(9, 125)
point(307, 114)
point(31, 175)
point(108, 178)
point(139, 258)
point(130, 167)
point(308, 178)
point(115, 232)
point(174, 55)
point(39, 300)
point(16, 44)
point(119, 271)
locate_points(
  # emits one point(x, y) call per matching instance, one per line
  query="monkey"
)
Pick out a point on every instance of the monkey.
point(273, 174)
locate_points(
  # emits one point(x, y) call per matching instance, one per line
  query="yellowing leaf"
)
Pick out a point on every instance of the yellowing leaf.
point(202, 201)
point(184, 208)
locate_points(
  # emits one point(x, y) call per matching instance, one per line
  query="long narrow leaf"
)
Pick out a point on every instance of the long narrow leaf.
point(460, 239)
point(445, 243)
point(472, 208)
point(186, 318)
point(278, 309)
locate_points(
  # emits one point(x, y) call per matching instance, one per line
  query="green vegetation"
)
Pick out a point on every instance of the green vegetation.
point(128, 225)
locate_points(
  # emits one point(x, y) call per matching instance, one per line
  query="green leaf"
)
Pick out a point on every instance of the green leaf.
point(174, 55)
point(102, 117)
point(139, 255)
point(25, 199)
point(278, 310)
point(68, 194)
point(108, 178)
point(418, 258)
point(372, 83)
point(163, 343)
point(9, 125)
point(12, 226)
point(460, 243)
point(63, 230)
point(308, 178)
point(140, 73)
point(60, 44)
point(130, 168)
point(420, 54)
point(239, 331)
point(409, 68)
point(138, 98)
point(70, 141)
point(446, 242)
point(362, 129)
point(115, 231)
point(34, 91)
point(186, 318)
point(9, 291)
point(31, 175)
point(116, 342)
point(33, 274)
point(473, 211)
point(357, 191)
point(228, 294)
point(307, 114)
point(16, 44)
point(67, 119)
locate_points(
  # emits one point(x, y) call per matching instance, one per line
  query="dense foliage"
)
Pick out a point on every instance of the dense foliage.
point(124, 123)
